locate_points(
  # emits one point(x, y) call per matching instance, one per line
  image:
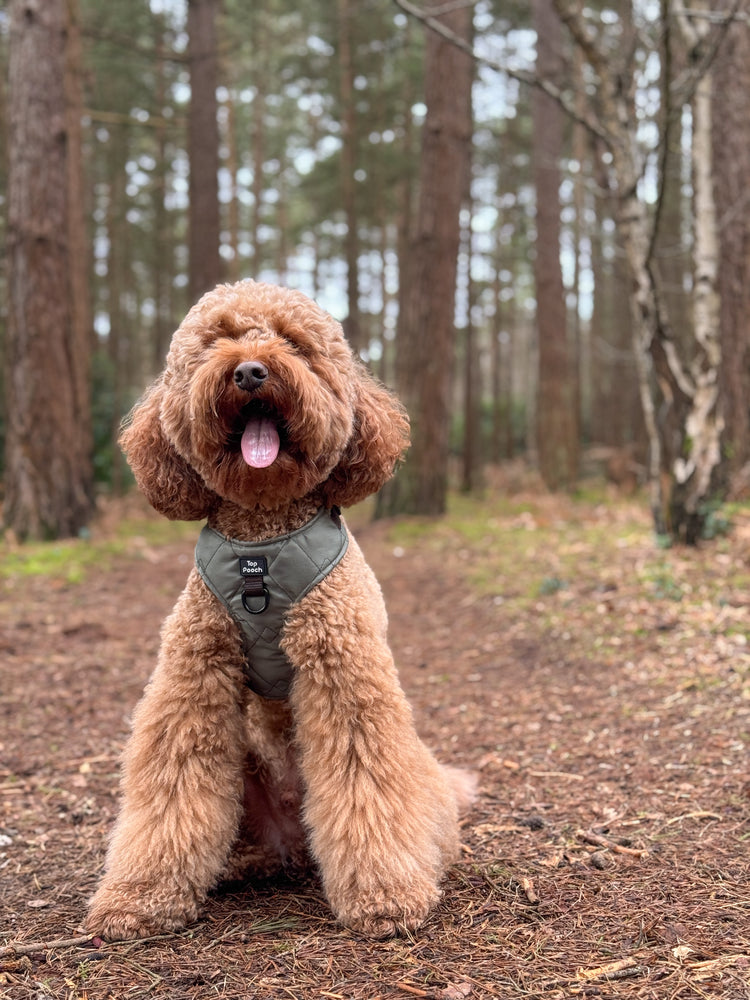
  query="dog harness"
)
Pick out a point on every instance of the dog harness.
point(258, 582)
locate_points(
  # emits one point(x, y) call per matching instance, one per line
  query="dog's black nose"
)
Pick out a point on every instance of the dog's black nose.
point(250, 375)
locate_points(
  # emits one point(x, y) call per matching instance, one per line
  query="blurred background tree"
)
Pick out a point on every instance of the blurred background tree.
point(316, 176)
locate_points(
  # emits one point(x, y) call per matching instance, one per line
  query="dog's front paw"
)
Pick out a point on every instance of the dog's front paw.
point(380, 926)
point(385, 916)
point(122, 911)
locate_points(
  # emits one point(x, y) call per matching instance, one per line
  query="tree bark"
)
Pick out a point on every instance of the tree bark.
point(203, 149)
point(696, 469)
point(557, 417)
point(731, 171)
point(426, 372)
point(352, 323)
point(48, 470)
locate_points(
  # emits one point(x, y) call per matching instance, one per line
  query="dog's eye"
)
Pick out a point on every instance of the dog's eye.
point(300, 347)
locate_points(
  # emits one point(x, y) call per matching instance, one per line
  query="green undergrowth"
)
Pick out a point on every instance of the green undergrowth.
point(534, 550)
point(73, 560)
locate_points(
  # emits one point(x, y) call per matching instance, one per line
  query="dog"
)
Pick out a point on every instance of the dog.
point(273, 734)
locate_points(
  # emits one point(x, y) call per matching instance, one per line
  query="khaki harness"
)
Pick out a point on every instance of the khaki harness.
point(258, 582)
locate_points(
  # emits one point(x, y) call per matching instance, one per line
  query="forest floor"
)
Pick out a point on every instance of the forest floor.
point(599, 685)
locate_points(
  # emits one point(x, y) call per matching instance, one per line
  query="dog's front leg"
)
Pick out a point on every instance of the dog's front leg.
point(380, 811)
point(182, 777)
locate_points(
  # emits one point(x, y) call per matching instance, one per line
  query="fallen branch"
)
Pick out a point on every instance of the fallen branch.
point(413, 990)
point(620, 969)
point(598, 841)
point(29, 947)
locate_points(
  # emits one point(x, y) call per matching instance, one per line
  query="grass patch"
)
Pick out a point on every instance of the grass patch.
point(525, 549)
point(554, 554)
point(70, 560)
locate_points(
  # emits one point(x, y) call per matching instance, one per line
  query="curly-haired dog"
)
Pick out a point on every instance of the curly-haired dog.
point(273, 730)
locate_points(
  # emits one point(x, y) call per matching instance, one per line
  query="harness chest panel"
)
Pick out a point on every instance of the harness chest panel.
point(284, 569)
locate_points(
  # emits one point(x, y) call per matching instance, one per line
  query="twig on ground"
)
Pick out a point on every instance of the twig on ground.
point(620, 969)
point(701, 814)
point(598, 841)
point(529, 891)
point(29, 947)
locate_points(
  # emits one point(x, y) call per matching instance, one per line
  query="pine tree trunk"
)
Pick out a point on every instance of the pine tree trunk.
point(203, 149)
point(427, 337)
point(48, 471)
point(731, 171)
point(162, 254)
point(471, 463)
point(352, 323)
point(120, 343)
point(557, 416)
point(258, 142)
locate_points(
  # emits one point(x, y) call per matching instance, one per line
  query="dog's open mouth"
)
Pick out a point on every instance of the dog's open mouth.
point(260, 441)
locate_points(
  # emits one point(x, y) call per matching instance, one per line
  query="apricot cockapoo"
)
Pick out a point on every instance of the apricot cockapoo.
point(274, 732)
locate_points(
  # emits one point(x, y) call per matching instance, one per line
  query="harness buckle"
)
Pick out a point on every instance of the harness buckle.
point(254, 590)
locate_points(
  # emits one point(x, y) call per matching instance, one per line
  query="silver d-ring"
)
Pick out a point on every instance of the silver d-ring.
point(256, 611)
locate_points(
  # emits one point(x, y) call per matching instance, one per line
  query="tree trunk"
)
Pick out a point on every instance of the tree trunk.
point(162, 256)
point(126, 370)
point(352, 323)
point(427, 348)
point(697, 467)
point(557, 417)
point(678, 395)
point(731, 170)
point(203, 149)
point(471, 459)
point(260, 74)
point(405, 200)
point(48, 471)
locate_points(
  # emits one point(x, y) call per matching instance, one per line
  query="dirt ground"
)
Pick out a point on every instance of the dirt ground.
point(600, 688)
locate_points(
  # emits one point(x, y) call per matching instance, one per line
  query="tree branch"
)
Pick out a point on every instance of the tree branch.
point(704, 44)
point(588, 121)
point(583, 38)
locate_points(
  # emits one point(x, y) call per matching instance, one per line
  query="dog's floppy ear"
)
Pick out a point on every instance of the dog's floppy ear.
point(379, 439)
point(167, 481)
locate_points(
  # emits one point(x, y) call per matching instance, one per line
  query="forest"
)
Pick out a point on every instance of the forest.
point(533, 223)
point(578, 300)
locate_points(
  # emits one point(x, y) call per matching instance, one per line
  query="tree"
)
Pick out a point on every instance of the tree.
point(348, 166)
point(557, 403)
point(426, 348)
point(203, 148)
point(731, 169)
point(48, 471)
point(677, 390)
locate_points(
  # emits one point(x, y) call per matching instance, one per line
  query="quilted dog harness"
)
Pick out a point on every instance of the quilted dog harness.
point(258, 582)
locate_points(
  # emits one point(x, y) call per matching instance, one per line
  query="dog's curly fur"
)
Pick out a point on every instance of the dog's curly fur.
point(219, 782)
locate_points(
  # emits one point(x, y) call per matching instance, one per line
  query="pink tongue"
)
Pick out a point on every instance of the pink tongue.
point(260, 442)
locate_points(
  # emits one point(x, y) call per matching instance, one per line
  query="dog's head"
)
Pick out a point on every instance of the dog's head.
point(261, 401)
